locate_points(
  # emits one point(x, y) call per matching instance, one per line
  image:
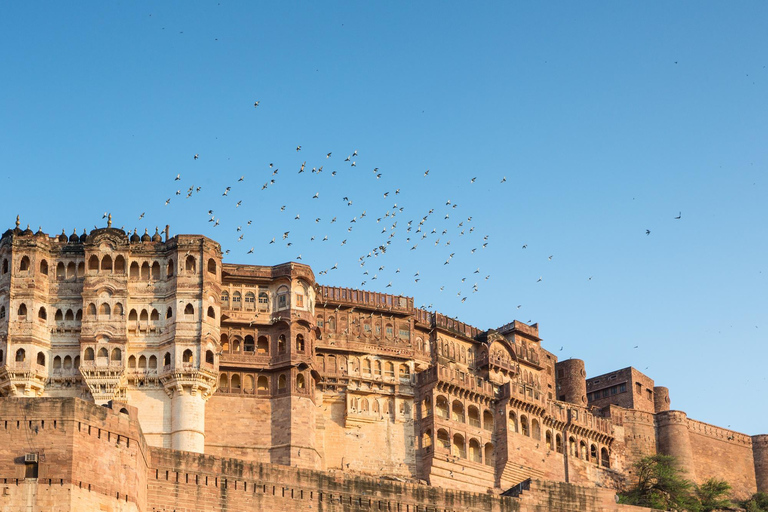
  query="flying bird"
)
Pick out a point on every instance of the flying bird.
point(679, 216)
point(196, 156)
point(298, 148)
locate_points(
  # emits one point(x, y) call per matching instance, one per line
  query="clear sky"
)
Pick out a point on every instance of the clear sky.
point(607, 119)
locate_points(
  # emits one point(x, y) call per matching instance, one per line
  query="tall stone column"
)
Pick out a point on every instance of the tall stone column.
point(674, 440)
point(189, 390)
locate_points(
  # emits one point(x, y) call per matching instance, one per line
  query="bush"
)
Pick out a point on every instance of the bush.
point(661, 485)
point(712, 495)
point(757, 503)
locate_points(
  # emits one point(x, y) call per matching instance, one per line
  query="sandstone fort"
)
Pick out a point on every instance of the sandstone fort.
point(142, 373)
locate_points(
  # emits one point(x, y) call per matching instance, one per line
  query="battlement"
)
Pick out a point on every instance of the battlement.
point(373, 300)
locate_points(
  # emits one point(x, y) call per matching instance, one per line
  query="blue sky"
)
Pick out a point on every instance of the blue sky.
point(607, 119)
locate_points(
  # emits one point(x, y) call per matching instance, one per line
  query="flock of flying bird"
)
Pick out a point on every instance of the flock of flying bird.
point(437, 227)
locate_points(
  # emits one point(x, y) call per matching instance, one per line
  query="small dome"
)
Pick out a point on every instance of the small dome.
point(145, 237)
point(135, 238)
point(40, 231)
point(63, 236)
point(156, 237)
point(73, 237)
point(28, 231)
point(84, 236)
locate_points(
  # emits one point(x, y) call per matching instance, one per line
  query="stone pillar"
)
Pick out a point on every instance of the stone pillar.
point(572, 386)
point(188, 422)
point(189, 390)
point(760, 454)
point(660, 399)
point(674, 440)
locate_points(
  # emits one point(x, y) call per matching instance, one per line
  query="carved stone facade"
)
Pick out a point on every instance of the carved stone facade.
point(263, 364)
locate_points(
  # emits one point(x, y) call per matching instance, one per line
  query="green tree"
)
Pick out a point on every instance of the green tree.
point(757, 503)
point(660, 485)
point(712, 495)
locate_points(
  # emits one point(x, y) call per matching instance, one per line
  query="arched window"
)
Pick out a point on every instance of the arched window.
point(248, 383)
point(300, 343)
point(426, 440)
point(61, 273)
point(389, 370)
point(512, 424)
point(593, 454)
point(457, 411)
point(459, 446)
point(490, 457)
point(104, 309)
point(223, 382)
point(118, 309)
point(331, 324)
point(212, 266)
point(211, 312)
point(263, 345)
point(169, 313)
point(426, 407)
point(69, 316)
point(583, 454)
point(119, 265)
point(189, 310)
point(535, 429)
point(225, 299)
point(88, 355)
point(190, 265)
point(488, 420)
point(73, 272)
point(281, 344)
point(209, 356)
point(132, 361)
point(264, 302)
point(59, 316)
point(103, 353)
point(250, 301)
point(236, 345)
point(186, 357)
point(405, 372)
point(558, 444)
point(224, 341)
point(24, 264)
point(67, 362)
point(474, 451)
point(248, 344)
point(441, 405)
point(79, 315)
point(524, 426)
point(132, 316)
point(44, 267)
point(167, 359)
point(300, 381)
point(133, 272)
point(91, 309)
point(106, 263)
point(5, 266)
point(145, 271)
point(377, 368)
point(170, 268)
point(262, 385)
point(367, 366)
point(21, 355)
point(572, 447)
point(117, 354)
point(22, 311)
point(41, 314)
point(152, 362)
point(155, 271)
point(443, 439)
point(604, 458)
point(143, 361)
point(548, 439)
point(41, 359)
point(2, 311)
point(237, 300)
point(281, 383)
point(473, 416)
